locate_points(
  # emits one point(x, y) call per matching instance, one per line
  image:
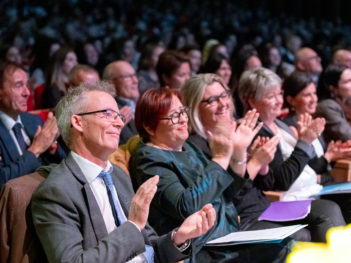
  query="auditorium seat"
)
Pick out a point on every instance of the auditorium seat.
point(18, 240)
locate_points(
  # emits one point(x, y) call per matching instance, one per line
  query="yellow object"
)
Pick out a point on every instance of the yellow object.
point(336, 250)
point(122, 155)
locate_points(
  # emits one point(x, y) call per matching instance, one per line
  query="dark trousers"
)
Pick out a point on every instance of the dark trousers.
point(250, 253)
point(344, 201)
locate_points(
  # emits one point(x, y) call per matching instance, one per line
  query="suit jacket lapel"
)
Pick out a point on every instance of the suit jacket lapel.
point(94, 210)
point(8, 143)
point(123, 198)
point(29, 127)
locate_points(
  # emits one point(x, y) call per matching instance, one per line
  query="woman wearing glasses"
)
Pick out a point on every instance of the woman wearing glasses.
point(188, 179)
point(206, 94)
point(210, 102)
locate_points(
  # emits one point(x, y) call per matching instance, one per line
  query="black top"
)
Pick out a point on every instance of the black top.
point(249, 200)
point(319, 165)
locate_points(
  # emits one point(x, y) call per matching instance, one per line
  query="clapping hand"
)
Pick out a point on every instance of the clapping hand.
point(221, 140)
point(246, 130)
point(195, 225)
point(262, 153)
point(140, 205)
point(45, 136)
point(127, 112)
point(338, 150)
point(308, 129)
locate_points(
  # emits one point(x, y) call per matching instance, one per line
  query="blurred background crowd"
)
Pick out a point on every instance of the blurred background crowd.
point(99, 32)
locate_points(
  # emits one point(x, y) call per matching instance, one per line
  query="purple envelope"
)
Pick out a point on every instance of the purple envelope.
point(286, 211)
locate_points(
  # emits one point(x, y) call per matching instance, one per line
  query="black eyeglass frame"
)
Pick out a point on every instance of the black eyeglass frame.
point(223, 95)
point(179, 113)
point(121, 116)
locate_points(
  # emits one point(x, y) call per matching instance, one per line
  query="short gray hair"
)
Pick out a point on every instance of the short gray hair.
point(254, 83)
point(109, 71)
point(75, 102)
point(72, 76)
point(193, 92)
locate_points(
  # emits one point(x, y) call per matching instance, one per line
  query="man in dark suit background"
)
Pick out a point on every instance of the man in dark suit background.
point(79, 216)
point(122, 75)
point(25, 143)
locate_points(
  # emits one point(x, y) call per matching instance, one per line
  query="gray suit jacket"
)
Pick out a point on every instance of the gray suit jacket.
point(71, 228)
point(337, 127)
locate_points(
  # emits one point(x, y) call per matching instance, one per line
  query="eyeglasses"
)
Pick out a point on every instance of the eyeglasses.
point(127, 76)
point(175, 116)
point(316, 57)
point(212, 99)
point(108, 114)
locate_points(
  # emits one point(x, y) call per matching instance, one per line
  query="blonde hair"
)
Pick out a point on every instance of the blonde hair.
point(193, 92)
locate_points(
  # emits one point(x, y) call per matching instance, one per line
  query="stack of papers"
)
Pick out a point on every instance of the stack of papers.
point(256, 236)
point(335, 189)
point(286, 211)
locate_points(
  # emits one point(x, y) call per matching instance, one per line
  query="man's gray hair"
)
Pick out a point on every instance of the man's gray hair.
point(254, 83)
point(75, 102)
point(109, 71)
point(73, 74)
point(193, 92)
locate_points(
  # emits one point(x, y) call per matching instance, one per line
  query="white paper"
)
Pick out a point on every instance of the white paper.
point(256, 236)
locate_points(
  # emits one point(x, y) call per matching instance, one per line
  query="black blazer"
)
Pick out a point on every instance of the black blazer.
point(319, 165)
point(284, 172)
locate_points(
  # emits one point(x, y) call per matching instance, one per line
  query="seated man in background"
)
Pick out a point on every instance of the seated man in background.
point(307, 60)
point(342, 57)
point(122, 75)
point(25, 143)
point(82, 74)
point(85, 209)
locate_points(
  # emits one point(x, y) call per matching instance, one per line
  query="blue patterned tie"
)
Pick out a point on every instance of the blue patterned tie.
point(17, 130)
point(106, 176)
point(118, 213)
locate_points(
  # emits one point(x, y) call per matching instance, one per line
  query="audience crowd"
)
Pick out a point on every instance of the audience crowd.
point(152, 130)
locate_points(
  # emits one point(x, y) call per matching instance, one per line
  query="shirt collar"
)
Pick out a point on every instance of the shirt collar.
point(8, 121)
point(89, 169)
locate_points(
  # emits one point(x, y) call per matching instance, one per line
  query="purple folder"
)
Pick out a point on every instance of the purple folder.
point(286, 211)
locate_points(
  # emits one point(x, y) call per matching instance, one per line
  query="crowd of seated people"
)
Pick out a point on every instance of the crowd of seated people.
point(207, 105)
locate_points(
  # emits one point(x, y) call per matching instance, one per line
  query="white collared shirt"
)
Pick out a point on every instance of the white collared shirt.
point(97, 185)
point(9, 122)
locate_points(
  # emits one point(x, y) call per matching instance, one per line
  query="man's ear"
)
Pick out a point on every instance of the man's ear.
point(150, 131)
point(76, 122)
point(300, 66)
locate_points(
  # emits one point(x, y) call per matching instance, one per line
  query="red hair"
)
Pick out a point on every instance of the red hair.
point(151, 107)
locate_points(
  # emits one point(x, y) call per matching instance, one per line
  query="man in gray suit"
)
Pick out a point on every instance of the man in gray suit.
point(80, 216)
